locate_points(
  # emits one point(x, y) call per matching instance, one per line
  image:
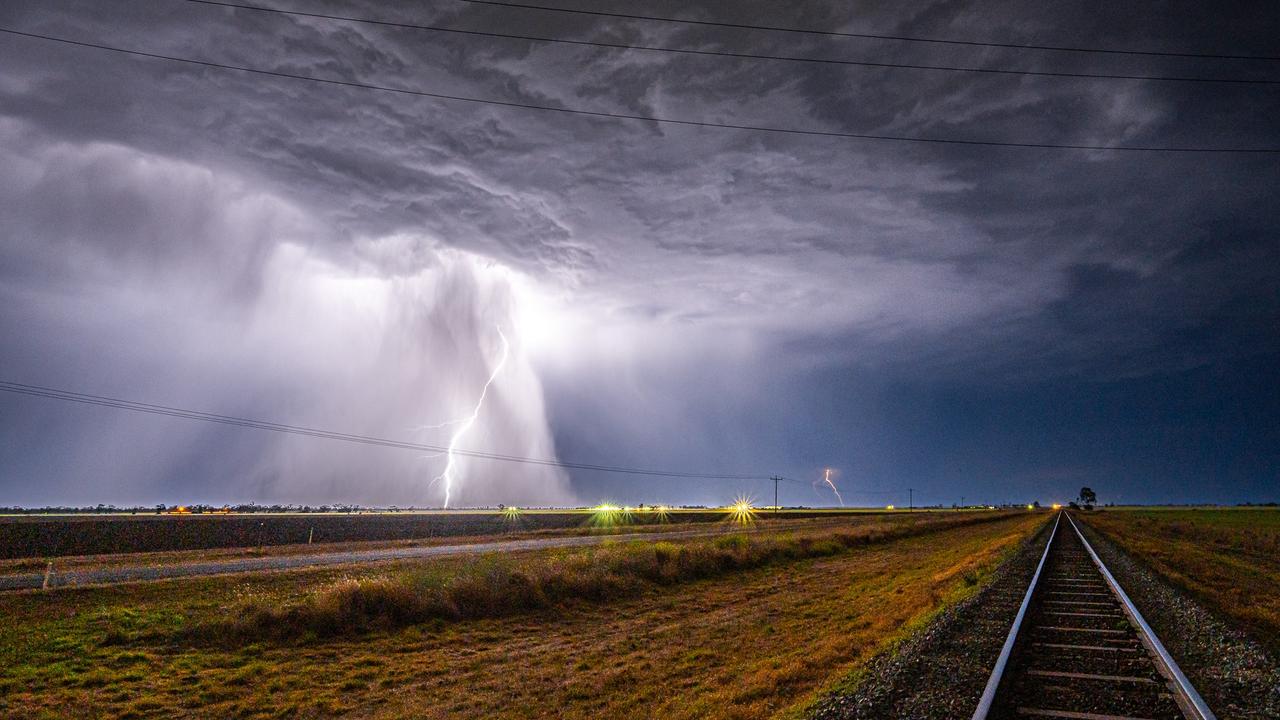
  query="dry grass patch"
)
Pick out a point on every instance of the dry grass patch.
point(1227, 558)
point(500, 585)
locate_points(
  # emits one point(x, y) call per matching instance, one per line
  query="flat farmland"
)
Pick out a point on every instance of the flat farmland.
point(744, 625)
point(80, 570)
point(1229, 558)
point(45, 536)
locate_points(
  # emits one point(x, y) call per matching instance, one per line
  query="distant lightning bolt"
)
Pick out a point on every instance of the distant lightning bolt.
point(464, 425)
point(826, 478)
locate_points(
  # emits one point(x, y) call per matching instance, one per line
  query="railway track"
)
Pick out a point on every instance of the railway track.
point(1080, 650)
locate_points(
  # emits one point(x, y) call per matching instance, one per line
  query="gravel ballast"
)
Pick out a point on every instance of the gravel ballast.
point(1234, 674)
point(940, 672)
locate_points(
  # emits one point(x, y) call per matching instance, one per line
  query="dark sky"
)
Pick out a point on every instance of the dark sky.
point(992, 323)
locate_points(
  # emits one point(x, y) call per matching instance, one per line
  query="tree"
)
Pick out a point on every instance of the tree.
point(1088, 498)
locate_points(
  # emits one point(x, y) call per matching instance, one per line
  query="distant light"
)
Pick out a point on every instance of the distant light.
point(742, 511)
point(888, 507)
point(1031, 507)
point(1057, 506)
point(609, 515)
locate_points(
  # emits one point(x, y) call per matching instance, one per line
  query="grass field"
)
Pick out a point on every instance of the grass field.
point(739, 627)
point(1229, 558)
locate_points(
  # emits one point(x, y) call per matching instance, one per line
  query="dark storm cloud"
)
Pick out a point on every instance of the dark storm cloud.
point(778, 260)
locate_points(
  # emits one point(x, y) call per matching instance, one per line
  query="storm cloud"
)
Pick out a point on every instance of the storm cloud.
point(995, 323)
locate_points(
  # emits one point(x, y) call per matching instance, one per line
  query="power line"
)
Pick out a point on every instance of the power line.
point(731, 54)
point(643, 118)
point(873, 36)
point(170, 411)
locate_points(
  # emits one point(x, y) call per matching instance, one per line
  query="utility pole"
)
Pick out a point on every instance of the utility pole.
point(775, 480)
point(911, 499)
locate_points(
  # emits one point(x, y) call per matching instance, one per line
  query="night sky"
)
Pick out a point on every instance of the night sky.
point(987, 323)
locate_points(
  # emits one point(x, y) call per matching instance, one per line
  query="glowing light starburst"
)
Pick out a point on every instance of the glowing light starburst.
point(826, 478)
point(449, 474)
point(742, 511)
point(606, 515)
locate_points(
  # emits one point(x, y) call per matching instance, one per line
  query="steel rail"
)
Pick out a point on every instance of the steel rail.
point(1189, 700)
point(993, 682)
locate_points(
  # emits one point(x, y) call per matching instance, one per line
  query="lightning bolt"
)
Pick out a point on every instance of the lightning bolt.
point(448, 475)
point(826, 478)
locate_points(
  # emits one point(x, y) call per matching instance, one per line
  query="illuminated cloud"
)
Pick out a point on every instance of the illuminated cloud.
point(679, 297)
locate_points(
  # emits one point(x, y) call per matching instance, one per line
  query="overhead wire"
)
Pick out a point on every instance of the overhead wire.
point(728, 53)
point(646, 118)
point(874, 36)
point(171, 411)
